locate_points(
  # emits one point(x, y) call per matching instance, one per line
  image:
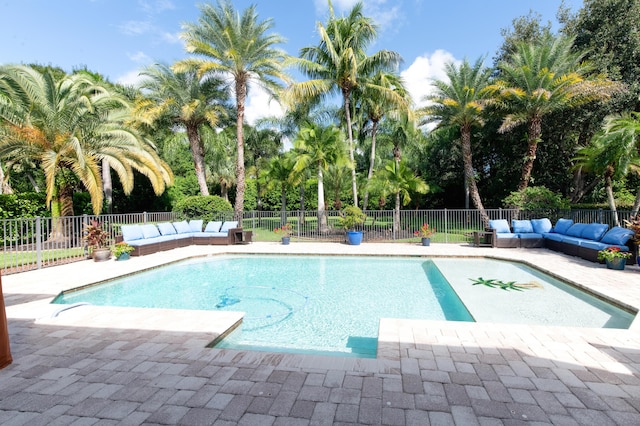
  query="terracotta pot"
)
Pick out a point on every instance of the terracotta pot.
point(101, 254)
point(5, 349)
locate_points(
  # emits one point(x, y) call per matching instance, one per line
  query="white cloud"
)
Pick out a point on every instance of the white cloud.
point(136, 27)
point(171, 38)
point(260, 104)
point(383, 14)
point(131, 78)
point(156, 6)
point(424, 69)
point(139, 57)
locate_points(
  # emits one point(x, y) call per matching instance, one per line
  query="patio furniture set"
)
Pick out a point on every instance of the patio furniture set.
point(575, 239)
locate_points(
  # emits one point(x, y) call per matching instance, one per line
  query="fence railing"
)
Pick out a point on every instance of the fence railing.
point(34, 243)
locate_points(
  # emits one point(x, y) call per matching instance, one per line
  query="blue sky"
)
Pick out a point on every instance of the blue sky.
point(118, 37)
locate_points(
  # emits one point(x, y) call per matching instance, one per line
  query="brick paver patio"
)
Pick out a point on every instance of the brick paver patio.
point(94, 365)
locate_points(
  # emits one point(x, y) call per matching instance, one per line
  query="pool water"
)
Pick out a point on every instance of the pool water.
point(333, 305)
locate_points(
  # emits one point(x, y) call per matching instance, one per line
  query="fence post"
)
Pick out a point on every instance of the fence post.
point(144, 217)
point(38, 243)
point(600, 215)
point(446, 226)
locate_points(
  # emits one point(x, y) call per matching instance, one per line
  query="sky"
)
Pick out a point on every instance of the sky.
point(117, 38)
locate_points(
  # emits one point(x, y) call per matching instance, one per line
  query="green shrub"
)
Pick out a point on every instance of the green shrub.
point(207, 208)
point(535, 198)
point(23, 205)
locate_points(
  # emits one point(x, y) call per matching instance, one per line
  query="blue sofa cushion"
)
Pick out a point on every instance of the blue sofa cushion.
point(562, 225)
point(153, 240)
point(506, 235)
point(228, 225)
point(182, 227)
point(131, 232)
point(213, 227)
point(617, 236)
point(568, 239)
point(540, 226)
point(529, 235)
point(594, 231)
point(598, 245)
point(500, 225)
point(554, 236)
point(521, 226)
point(166, 228)
point(195, 225)
point(576, 230)
point(150, 231)
point(209, 234)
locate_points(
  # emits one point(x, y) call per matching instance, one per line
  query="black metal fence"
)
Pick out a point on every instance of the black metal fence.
point(34, 243)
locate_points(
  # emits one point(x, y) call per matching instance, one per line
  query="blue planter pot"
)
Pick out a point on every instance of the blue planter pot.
point(354, 237)
point(285, 240)
point(123, 256)
point(617, 264)
point(426, 241)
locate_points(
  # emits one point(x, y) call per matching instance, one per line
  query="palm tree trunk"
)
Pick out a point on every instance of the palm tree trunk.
point(107, 185)
point(347, 111)
point(5, 188)
point(372, 159)
point(469, 176)
point(396, 216)
point(636, 204)
point(535, 130)
point(241, 95)
point(224, 191)
point(283, 205)
point(322, 217)
point(197, 153)
point(608, 185)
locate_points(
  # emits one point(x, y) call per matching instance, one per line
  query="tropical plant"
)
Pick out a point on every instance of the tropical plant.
point(68, 127)
point(539, 78)
point(611, 253)
point(460, 102)
point(186, 100)
point(239, 46)
point(339, 64)
point(318, 147)
point(634, 224)
point(120, 248)
point(207, 208)
point(95, 236)
point(425, 231)
point(352, 217)
point(284, 231)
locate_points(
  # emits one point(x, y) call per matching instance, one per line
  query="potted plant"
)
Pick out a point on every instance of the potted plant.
point(352, 219)
point(121, 250)
point(425, 232)
point(284, 232)
point(613, 257)
point(97, 240)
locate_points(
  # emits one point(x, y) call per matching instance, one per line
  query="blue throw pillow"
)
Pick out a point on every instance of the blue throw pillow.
point(195, 225)
point(541, 226)
point(150, 231)
point(521, 226)
point(562, 225)
point(500, 225)
point(617, 235)
point(131, 232)
point(182, 227)
point(576, 230)
point(228, 225)
point(166, 228)
point(594, 231)
point(213, 226)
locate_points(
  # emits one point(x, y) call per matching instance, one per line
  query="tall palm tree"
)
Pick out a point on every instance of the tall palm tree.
point(185, 100)
point(400, 181)
point(68, 127)
point(540, 78)
point(384, 94)
point(238, 47)
point(339, 64)
point(279, 173)
point(319, 147)
point(459, 103)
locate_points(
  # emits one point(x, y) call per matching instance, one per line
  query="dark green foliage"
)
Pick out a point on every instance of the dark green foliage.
point(535, 198)
point(28, 204)
point(207, 208)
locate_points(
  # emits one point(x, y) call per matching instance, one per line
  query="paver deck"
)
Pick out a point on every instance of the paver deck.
point(92, 365)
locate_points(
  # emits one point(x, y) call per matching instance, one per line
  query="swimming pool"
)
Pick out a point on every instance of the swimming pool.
point(333, 304)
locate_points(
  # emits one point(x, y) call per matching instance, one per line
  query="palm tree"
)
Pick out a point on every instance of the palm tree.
point(540, 78)
point(459, 103)
point(339, 64)
point(237, 46)
point(279, 173)
point(613, 153)
point(319, 147)
point(68, 127)
point(185, 100)
point(397, 179)
point(385, 93)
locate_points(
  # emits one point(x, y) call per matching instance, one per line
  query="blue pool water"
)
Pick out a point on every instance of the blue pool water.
point(333, 304)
